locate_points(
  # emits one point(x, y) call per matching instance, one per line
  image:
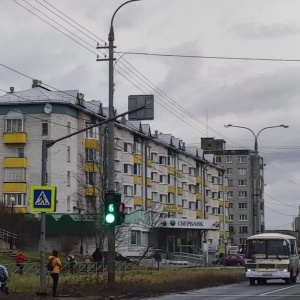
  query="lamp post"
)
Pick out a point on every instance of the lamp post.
point(256, 227)
point(12, 200)
point(81, 215)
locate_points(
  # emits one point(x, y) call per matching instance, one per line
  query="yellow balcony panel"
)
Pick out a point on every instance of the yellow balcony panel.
point(137, 159)
point(14, 187)
point(221, 203)
point(221, 218)
point(220, 188)
point(206, 215)
point(179, 173)
point(171, 207)
point(206, 182)
point(137, 179)
point(198, 196)
point(16, 210)
point(137, 201)
point(226, 204)
point(14, 137)
point(226, 219)
point(91, 167)
point(15, 162)
point(206, 199)
point(91, 144)
point(198, 179)
point(221, 234)
point(227, 234)
point(149, 162)
point(171, 189)
point(198, 213)
point(179, 191)
point(149, 182)
point(180, 209)
point(171, 170)
point(149, 202)
point(221, 249)
point(226, 189)
point(91, 191)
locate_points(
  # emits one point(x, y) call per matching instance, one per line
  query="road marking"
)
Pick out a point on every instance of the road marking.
point(289, 287)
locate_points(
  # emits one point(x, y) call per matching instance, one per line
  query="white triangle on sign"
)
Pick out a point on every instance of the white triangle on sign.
point(42, 199)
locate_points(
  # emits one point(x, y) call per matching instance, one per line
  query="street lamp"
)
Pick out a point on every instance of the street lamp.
point(256, 205)
point(12, 200)
point(81, 215)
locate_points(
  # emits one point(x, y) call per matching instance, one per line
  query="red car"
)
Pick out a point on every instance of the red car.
point(230, 260)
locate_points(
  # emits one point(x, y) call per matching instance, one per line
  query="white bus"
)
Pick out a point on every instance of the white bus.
point(271, 256)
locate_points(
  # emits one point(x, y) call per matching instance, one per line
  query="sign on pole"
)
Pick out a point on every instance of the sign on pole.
point(146, 102)
point(42, 198)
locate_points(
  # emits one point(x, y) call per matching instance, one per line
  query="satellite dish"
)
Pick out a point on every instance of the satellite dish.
point(48, 108)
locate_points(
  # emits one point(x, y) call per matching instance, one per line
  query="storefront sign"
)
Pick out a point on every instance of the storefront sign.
point(190, 223)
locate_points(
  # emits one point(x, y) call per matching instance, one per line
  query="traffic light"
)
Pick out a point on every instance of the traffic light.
point(121, 214)
point(111, 208)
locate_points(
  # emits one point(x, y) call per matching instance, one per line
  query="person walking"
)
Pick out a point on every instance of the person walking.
point(87, 259)
point(97, 257)
point(157, 258)
point(20, 260)
point(72, 262)
point(56, 263)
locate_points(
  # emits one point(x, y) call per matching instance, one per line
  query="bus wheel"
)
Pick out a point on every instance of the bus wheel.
point(252, 281)
point(259, 281)
point(264, 281)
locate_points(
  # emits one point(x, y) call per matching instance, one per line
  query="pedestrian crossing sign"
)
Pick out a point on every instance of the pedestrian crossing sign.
point(42, 198)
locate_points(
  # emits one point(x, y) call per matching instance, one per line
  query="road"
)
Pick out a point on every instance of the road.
point(273, 290)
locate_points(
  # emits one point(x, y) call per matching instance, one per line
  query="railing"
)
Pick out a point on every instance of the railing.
point(7, 236)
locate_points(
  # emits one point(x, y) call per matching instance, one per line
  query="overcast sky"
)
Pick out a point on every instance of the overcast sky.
point(194, 97)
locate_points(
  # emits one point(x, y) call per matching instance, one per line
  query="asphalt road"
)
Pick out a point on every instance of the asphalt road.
point(273, 290)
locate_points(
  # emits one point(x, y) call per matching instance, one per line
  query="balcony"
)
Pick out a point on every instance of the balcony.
point(14, 137)
point(14, 187)
point(15, 162)
point(91, 144)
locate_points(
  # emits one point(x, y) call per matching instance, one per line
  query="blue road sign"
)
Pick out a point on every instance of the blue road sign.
point(43, 198)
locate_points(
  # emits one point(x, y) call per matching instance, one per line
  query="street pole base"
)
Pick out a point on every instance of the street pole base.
point(41, 293)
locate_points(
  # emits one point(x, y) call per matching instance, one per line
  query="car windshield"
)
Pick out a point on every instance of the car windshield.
point(268, 249)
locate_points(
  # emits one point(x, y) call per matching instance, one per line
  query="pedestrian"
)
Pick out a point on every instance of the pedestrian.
point(87, 259)
point(54, 258)
point(72, 262)
point(97, 257)
point(157, 258)
point(20, 259)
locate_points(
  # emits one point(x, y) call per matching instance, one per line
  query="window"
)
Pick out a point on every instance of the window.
point(242, 194)
point(139, 238)
point(218, 159)
point(68, 203)
point(171, 180)
point(243, 241)
point(163, 160)
point(230, 217)
point(15, 174)
point(170, 198)
point(14, 125)
point(163, 179)
point(192, 188)
point(230, 205)
point(229, 171)
point(137, 169)
point(137, 148)
point(92, 133)
point(19, 199)
point(68, 178)
point(243, 229)
point(215, 211)
point(230, 194)
point(163, 198)
point(230, 182)
point(171, 161)
point(128, 190)
point(135, 237)
point(192, 205)
point(243, 205)
point(243, 218)
point(128, 169)
point(45, 128)
point(242, 182)
point(229, 159)
point(128, 147)
point(89, 178)
point(154, 176)
point(241, 171)
point(231, 229)
point(148, 172)
point(137, 190)
point(192, 171)
point(21, 152)
point(215, 195)
point(90, 154)
point(68, 154)
point(242, 159)
point(155, 196)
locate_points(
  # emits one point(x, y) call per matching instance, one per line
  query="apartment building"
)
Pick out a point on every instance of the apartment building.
point(175, 196)
point(239, 167)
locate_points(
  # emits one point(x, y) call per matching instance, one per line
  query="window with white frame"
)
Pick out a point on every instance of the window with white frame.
point(243, 241)
point(171, 161)
point(137, 169)
point(242, 194)
point(171, 179)
point(14, 125)
point(154, 176)
point(128, 169)
point(192, 189)
point(230, 194)
point(148, 172)
point(243, 217)
point(163, 179)
point(230, 205)
point(148, 151)
point(215, 211)
point(218, 159)
point(185, 186)
point(185, 168)
point(155, 196)
point(242, 182)
point(230, 182)
point(192, 205)
point(137, 190)
point(154, 157)
point(163, 198)
point(162, 160)
point(19, 199)
point(228, 159)
point(44, 128)
point(149, 192)
point(215, 195)
point(192, 171)
point(92, 133)
point(15, 175)
point(90, 154)
point(170, 198)
point(242, 171)
point(90, 178)
point(229, 171)
point(137, 147)
point(243, 229)
point(242, 159)
point(230, 217)
point(139, 238)
point(128, 147)
point(243, 205)
point(128, 190)
point(185, 203)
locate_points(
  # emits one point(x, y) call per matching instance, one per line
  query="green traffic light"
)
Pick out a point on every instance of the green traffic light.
point(110, 218)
